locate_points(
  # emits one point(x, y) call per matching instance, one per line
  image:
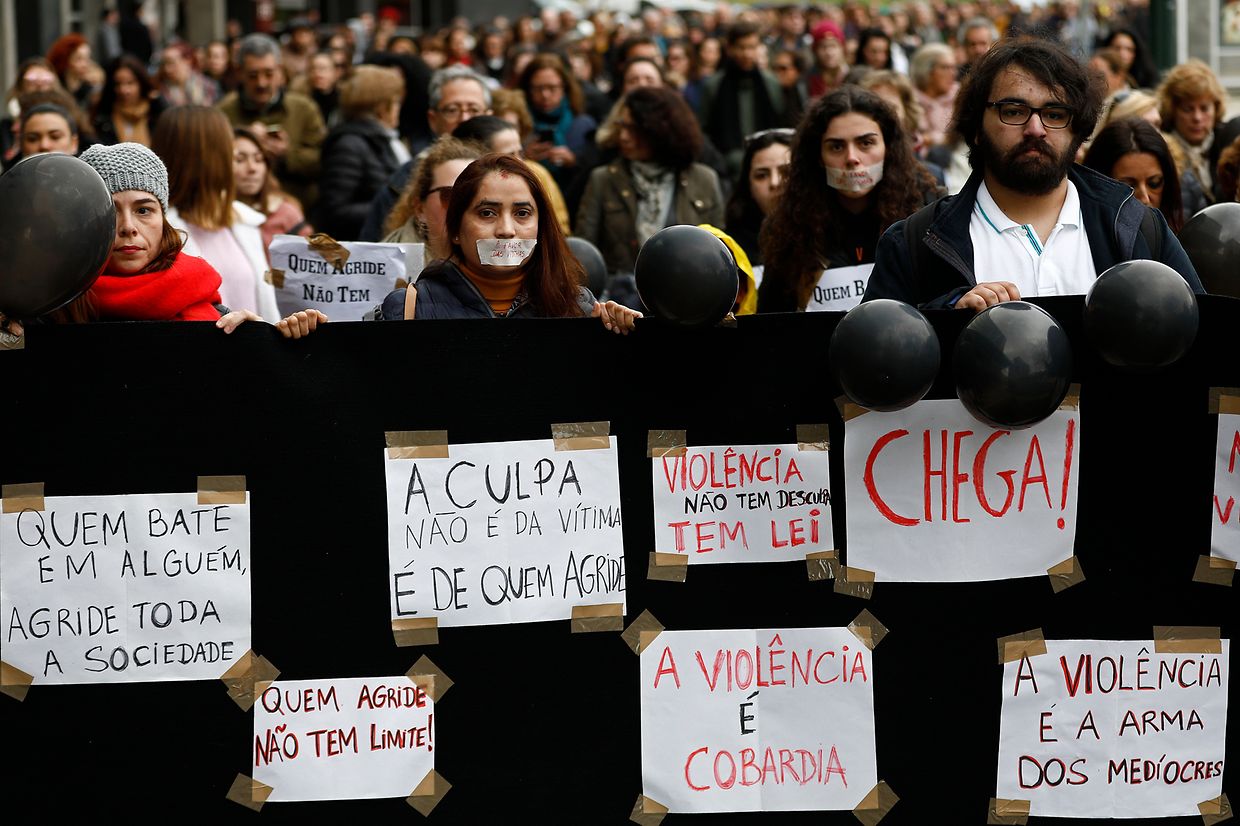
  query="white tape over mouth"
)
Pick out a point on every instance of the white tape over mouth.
point(504, 252)
point(855, 180)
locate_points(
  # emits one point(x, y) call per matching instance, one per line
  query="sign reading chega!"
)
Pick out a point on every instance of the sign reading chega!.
point(743, 503)
point(934, 495)
point(1225, 527)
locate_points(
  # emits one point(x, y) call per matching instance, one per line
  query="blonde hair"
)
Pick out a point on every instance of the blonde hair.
point(1133, 104)
point(196, 144)
point(912, 109)
point(513, 100)
point(369, 89)
point(1189, 80)
point(416, 191)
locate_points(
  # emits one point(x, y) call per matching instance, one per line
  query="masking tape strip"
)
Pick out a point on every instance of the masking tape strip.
point(868, 629)
point(667, 567)
point(1214, 570)
point(591, 618)
point(1029, 643)
point(221, 490)
point(876, 804)
point(647, 812)
point(1225, 400)
point(641, 632)
point(274, 277)
point(822, 565)
point(660, 443)
point(22, 497)
point(581, 435)
point(330, 249)
point(1072, 401)
point(245, 675)
point(8, 341)
point(14, 682)
point(401, 284)
point(813, 437)
point(1187, 639)
point(855, 582)
point(1215, 810)
point(416, 444)
point(415, 631)
point(1007, 812)
point(249, 792)
point(430, 678)
point(427, 794)
point(728, 322)
point(848, 410)
point(1066, 574)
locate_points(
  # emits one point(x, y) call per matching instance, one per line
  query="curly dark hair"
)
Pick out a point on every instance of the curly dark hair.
point(807, 221)
point(667, 125)
point(107, 98)
point(1143, 72)
point(1133, 136)
point(1071, 82)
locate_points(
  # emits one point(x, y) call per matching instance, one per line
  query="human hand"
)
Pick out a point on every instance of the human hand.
point(11, 326)
point(561, 156)
point(235, 319)
point(616, 317)
point(275, 142)
point(299, 325)
point(538, 150)
point(988, 295)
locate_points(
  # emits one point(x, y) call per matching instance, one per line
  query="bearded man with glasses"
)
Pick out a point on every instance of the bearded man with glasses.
point(1028, 222)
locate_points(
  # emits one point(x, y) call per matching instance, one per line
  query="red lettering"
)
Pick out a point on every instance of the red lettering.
point(872, 489)
point(1035, 448)
point(957, 477)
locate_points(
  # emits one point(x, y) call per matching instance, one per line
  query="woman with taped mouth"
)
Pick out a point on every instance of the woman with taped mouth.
point(507, 257)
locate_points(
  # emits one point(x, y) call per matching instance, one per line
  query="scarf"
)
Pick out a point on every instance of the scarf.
point(654, 186)
point(132, 123)
point(724, 126)
point(1196, 157)
point(186, 291)
point(558, 120)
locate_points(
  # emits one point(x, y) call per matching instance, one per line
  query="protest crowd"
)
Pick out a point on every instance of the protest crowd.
point(802, 135)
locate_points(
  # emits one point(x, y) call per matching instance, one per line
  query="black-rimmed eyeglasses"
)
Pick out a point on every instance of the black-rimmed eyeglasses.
point(1014, 113)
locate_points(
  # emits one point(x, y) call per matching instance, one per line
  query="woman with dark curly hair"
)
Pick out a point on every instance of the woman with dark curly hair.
point(1133, 152)
point(852, 175)
point(655, 182)
point(1135, 57)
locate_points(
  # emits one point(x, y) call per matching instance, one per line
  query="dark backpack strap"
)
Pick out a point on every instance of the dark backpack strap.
point(915, 227)
point(1153, 238)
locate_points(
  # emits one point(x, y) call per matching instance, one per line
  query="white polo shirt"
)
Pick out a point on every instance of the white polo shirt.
point(1004, 250)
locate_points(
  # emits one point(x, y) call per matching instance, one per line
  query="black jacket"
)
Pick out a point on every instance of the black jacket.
point(1112, 222)
point(445, 292)
point(357, 162)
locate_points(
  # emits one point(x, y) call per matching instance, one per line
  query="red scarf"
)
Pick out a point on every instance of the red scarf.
point(186, 291)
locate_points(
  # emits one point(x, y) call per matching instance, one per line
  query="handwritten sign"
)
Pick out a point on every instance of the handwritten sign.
point(344, 739)
point(934, 495)
point(504, 532)
point(1225, 528)
point(748, 503)
point(757, 720)
point(1102, 728)
point(122, 589)
point(839, 289)
point(307, 280)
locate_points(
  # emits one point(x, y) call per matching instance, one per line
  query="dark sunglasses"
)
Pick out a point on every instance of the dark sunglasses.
point(782, 132)
point(445, 194)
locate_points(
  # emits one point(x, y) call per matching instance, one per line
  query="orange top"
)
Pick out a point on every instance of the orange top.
point(499, 292)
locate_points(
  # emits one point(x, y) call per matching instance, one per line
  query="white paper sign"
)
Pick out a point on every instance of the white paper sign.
point(309, 281)
point(757, 720)
point(123, 589)
point(1104, 728)
point(344, 739)
point(743, 503)
point(1225, 527)
point(839, 289)
point(934, 495)
point(504, 532)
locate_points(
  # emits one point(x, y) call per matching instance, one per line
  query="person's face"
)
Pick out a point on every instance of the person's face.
point(217, 59)
point(977, 42)
point(79, 61)
point(502, 208)
point(434, 209)
point(792, 23)
point(709, 54)
point(323, 74)
point(507, 142)
point(48, 132)
point(785, 70)
point(176, 69)
point(1029, 159)
point(493, 46)
point(304, 39)
point(37, 79)
point(139, 231)
point(744, 52)
point(631, 143)
point(830, 52)
point(126, 86)
point(261, 78)
point(640, 75)
point(649, 51)
point(459, 42)
point(249, 167)
point(852, 141)
point(461, 100)
point(876, 52)
point(1127, 49)
point(767, 172)
point(678, 61)
point(1194, 118)
point(943, 76)
point(1141, 171)
point(546, 89)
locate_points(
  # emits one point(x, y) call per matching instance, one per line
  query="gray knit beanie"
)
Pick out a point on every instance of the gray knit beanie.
point(129, 166)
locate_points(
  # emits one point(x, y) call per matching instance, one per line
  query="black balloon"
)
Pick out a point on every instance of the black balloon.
point(687, 275)
point(1141, 315)
point(884, 355)
point(592, 261)
point(1212, 240)
point(1012, 364)
point(57, 223)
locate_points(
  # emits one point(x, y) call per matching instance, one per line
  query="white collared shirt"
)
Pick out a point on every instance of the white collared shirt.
point(1004, 250)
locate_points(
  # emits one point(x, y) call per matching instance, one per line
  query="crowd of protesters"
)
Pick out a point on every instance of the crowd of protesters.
point(802, 132)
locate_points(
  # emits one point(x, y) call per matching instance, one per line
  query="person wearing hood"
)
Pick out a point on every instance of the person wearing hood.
point(362, 152)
